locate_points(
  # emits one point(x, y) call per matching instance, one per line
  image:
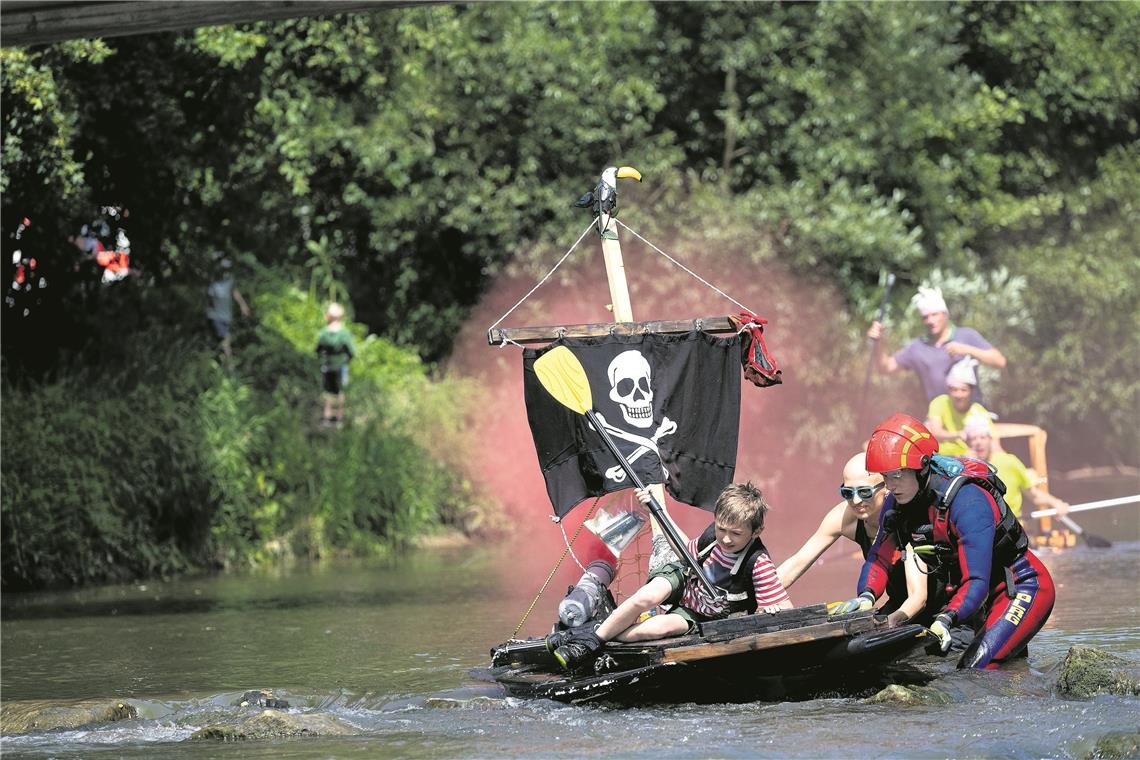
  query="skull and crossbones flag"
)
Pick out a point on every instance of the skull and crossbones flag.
point(671, 403)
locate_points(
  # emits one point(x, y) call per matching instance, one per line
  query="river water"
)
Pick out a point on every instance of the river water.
point(395, 650)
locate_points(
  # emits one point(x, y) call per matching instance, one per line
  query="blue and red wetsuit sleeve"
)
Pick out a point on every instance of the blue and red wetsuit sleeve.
point(973, 517)
point(880, 557)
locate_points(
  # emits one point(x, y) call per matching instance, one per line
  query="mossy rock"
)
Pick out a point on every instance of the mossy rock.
point(475, 703)
point(1117, 745)
point(909, 695)
point(261, 698)
point(1088, 672)
point(272, 724)
point(22, 717)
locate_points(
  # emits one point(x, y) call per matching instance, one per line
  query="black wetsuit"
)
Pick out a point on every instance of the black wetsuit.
point(896, 583)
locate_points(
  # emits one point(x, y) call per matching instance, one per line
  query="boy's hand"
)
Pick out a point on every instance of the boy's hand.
point(643, 495)
point(771, 609)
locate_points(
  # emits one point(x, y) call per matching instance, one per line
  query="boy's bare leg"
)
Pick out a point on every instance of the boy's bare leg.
point(656, 627)
point(644, 599)
point(660, 551)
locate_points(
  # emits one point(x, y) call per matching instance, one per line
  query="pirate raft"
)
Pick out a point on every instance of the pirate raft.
point(617, 405)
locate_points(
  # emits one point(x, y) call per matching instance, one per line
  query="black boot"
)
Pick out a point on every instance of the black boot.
point(579, 651)
point(558, 638)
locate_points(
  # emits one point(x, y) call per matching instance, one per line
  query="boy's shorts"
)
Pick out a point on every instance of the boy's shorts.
point(220, 327)
point(677, 573)
point(331, 381)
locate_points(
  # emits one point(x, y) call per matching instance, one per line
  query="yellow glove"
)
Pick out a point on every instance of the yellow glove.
point(864, 601)
point(941, 629)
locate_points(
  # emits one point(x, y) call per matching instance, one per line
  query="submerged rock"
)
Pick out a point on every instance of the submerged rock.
point(21, 717)
point(909, 695)
point(261, 698)
point(1116, 746)
point(1087, 672)
point(475, 703)
point(272, 724)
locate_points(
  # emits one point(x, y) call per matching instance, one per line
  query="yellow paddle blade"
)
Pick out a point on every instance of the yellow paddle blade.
point(564, 378)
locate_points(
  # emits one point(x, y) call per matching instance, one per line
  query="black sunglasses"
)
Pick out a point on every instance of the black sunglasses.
point(863, 492)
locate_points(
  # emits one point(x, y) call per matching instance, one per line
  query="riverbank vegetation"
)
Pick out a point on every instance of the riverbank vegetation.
point(149, 454)
point(401, 159)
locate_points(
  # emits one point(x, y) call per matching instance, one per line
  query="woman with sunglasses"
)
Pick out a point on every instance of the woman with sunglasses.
point(856, 518)
point(1000, 588)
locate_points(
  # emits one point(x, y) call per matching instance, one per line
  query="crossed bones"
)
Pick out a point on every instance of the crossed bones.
point(644, 445)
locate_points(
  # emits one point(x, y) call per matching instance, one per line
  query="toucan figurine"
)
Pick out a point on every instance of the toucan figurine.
point(602, 200)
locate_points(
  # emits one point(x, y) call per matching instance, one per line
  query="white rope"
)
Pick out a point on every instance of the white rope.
point(566, 539)
point(565, 256)
point(682, 266)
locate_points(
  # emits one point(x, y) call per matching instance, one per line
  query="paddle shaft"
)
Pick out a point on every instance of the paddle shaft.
point(871, 353)
point(655, 509)
point(1089, 505)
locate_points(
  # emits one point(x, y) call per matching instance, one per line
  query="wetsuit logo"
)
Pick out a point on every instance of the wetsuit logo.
point(1017, 610)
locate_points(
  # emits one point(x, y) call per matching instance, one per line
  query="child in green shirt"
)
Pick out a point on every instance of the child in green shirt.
point(335, 347)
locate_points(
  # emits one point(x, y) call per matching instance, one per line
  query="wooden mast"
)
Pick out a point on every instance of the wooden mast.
point(622, 309)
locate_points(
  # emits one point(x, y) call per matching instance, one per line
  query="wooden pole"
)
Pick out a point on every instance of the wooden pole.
point(615, 274)
point(623, 312)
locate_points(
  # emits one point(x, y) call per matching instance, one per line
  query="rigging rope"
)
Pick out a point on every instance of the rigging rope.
point(637, 235)
point(557, 565)
point(695, 276)
point(565, 256)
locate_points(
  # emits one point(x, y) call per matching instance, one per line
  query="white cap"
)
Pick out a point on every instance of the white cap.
point(977, 424)
point(962, 373)
point(929, 301)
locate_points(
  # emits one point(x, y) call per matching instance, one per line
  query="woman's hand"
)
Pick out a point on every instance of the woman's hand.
point(897, 618)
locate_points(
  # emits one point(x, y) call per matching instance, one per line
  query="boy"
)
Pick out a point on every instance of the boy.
point(335, 347)
point(733, 559)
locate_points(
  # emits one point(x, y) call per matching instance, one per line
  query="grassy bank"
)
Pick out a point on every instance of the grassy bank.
point(147, 454)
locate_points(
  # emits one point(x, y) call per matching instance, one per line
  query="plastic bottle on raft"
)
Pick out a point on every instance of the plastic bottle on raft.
point(580, 604)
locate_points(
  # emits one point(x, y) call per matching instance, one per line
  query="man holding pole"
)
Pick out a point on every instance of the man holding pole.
point(931, 356)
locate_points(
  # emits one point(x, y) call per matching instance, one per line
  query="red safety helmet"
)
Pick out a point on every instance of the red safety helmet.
point(900, 441)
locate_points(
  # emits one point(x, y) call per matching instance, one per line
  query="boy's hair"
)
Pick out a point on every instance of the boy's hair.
point(741, 503)
point(334, 311)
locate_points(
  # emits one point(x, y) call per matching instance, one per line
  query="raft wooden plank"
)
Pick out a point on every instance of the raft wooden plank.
point(761, 621)
point(497, 335)
point(760, 641)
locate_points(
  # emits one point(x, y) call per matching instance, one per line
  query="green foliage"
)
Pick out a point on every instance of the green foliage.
point(397, 160)
point(167, 461)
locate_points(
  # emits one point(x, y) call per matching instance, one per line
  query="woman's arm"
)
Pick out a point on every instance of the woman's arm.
point(825, 535)
point(915, 589)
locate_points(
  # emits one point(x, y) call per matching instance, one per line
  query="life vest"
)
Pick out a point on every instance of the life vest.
point(740, 593)
point(947, 476)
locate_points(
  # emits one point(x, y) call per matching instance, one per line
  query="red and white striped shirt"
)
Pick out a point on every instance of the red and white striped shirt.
point(719, 564)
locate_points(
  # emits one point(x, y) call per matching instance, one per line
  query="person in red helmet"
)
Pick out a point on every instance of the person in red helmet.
point(952, 511)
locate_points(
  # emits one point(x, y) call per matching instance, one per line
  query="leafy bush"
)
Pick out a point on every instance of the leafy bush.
point(168, 460)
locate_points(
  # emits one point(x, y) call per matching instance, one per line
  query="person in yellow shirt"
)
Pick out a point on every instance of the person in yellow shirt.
point(1017, 477)
point(946, 415)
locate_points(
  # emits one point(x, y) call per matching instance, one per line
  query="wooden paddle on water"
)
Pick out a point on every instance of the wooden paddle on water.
point(1095, 541)
point(564, 378)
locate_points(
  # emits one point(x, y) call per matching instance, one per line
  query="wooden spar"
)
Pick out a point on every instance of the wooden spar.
point(497, 335)
point(36, 22)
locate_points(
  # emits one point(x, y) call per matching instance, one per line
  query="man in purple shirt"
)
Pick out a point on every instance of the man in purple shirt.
point(931, 356)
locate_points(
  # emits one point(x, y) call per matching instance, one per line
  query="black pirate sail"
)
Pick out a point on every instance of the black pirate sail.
point(671, 403)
